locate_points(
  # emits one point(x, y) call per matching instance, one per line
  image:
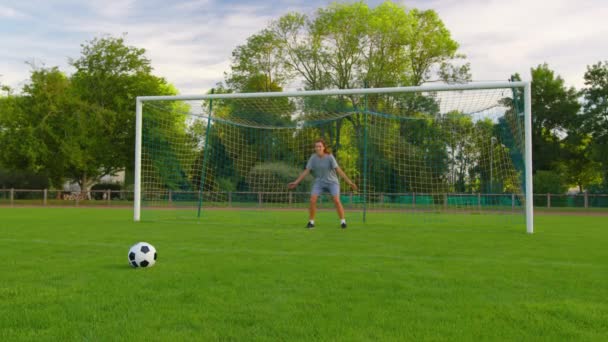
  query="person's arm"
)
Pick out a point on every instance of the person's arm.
point(295, 183)
point(343, 175)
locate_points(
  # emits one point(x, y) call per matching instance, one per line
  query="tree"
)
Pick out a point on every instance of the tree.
point(110, 75)
point(549, 182)
point(485, 156)
point(54, 132)
point(555, 110)
point(84, 145)
point(349, 45)
point(302, 49)
point(5, 88)
point(595, 113)
point(17, 148)
point(461, 145)
point(432, 45)
point(80, 128)
point(261, 58)
point(25, 130)
point(343, 30)
point(389, 32)
point(577, 164)
point(241, 131)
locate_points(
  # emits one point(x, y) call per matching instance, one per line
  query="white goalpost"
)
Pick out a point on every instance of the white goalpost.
point(435, 148)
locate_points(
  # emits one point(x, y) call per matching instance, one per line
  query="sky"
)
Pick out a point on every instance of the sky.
point(190, 41)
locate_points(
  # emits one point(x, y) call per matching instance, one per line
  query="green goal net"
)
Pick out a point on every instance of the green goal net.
point(418, 151)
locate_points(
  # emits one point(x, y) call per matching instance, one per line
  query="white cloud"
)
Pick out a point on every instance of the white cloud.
point(11, 13)
point(503, 37)
point(112, 8)
point(193, 4)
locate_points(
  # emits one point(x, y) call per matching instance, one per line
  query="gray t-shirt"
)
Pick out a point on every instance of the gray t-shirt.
point(324, 169)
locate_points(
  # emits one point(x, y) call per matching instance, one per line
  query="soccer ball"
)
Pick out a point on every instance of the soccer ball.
point(142, 254)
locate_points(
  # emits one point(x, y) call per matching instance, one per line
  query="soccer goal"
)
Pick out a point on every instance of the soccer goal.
point(422, 151)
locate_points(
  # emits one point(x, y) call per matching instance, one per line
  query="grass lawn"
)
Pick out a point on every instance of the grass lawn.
point(259, 275)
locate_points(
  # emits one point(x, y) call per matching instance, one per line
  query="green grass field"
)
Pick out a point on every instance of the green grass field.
point(242, 276)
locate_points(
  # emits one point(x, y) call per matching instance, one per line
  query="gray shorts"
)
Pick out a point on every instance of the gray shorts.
point(319, 188)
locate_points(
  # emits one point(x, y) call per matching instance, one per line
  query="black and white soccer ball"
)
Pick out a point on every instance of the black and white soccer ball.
point(142, 254)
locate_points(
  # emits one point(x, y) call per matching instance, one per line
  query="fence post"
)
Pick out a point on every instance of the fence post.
point(290, 198)
point(548, 200)
point(586, 200)
point(512, 201)
point(413, 200)
point(12, 196)
point(170, 196)
point(230, 199)
point(445, 201)
point(108, 196)
point(479, 201)
point(44, 197)
point(259, 199)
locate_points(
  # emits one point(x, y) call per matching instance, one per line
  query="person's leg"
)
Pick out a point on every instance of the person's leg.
point(339, 207)
point(312, 210)
point(313, 207)
point(334, 189)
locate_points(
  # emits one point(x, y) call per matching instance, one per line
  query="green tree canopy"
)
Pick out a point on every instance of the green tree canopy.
point(595, 112)
point(110, 74)
point(349, 45)
point(82, 126)
point(555, 110)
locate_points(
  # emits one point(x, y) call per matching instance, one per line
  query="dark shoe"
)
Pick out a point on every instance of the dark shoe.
point(310, 225)
point(343, 225)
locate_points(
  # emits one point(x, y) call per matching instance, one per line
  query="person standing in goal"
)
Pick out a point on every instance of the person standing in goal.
point(324, 168)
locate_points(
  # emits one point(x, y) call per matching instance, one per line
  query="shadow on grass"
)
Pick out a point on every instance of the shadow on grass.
point(119, 267)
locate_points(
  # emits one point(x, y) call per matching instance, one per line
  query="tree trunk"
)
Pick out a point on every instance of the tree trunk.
point(85, 184)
